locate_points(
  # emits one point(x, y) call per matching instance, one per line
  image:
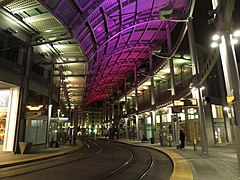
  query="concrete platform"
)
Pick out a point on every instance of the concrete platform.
point(188, 164)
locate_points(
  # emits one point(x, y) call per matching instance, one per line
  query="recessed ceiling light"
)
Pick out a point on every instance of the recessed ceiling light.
point(49, 30)
point(187, 56)
point(177, 55)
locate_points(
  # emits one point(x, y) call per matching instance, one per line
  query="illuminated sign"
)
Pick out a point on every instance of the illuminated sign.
point(185, 102)
point(230, 99)
point(35, 108)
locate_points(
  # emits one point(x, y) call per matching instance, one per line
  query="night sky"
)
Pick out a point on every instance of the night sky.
point(202, 29)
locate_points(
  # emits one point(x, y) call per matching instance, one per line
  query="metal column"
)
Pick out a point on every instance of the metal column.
point(152, 94)
point(195, 71)
point(171, 65)
point(126, 104)
point(136, 98)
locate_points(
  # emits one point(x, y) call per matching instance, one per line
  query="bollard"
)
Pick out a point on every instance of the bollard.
point(169, 142)
point(194, 144)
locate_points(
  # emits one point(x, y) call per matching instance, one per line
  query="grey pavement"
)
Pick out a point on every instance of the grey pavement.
point(10, 159)
point(220, 165)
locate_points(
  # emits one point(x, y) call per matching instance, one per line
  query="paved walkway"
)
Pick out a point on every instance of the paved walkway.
point(188, 164)
point(10, 159)
point(220, 165)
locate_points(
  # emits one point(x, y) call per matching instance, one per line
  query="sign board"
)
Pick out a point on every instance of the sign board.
point(176, 109)
point(185, 102)
point(230, 99)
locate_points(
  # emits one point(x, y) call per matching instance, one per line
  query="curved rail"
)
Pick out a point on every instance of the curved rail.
point(121, 167)
point(149, 167)
point(131, 162)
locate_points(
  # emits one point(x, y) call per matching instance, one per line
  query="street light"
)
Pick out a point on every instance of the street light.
point(216, 38)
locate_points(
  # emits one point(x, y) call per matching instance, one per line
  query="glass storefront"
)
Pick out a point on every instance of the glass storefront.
point(36, 130)
point(3, 117)
point(218, 124)
point(9, 97)
point(4, 99)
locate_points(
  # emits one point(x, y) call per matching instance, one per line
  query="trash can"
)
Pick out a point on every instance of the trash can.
point(152, 140)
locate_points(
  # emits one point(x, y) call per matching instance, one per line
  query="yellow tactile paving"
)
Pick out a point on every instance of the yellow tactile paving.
point(181, 168)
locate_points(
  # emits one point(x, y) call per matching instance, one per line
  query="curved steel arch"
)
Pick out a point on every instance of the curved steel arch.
point(101, 29)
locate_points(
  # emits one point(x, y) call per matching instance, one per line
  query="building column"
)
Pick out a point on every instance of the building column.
point(50, 101)
point(126, 109)
point(198, 90)
point(172, 78)
point(113, 113)
point(21, 120)
point(187, 125)
point(229, 64)
point(75, 123)
point(136, 101)
point(152, 94)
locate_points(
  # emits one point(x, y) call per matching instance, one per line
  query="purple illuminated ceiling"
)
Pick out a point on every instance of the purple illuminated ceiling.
point(115, 36)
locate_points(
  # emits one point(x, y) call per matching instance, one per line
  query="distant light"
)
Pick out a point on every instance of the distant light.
point(214, 45)
point(226, 108)
point(215, 37)
point(234, 41)
point(236, 33)
point(67, 72)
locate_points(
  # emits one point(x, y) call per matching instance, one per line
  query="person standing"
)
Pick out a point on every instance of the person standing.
point(182, 139)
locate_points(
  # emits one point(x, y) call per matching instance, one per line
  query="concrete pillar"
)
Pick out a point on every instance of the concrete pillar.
point(229, 64)
point(21, 121)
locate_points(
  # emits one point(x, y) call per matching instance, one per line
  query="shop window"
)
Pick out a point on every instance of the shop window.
point(3, 117)
point(4, 101)
point(158, 119)
point(217, 111)
point(148, 120)
point(166, 118)
point(36, 131)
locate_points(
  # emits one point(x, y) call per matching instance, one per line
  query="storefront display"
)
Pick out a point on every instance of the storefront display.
point(3, 117)
point(9, 97)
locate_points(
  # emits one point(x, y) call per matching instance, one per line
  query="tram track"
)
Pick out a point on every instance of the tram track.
point(99, 159)
point(134, 165)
